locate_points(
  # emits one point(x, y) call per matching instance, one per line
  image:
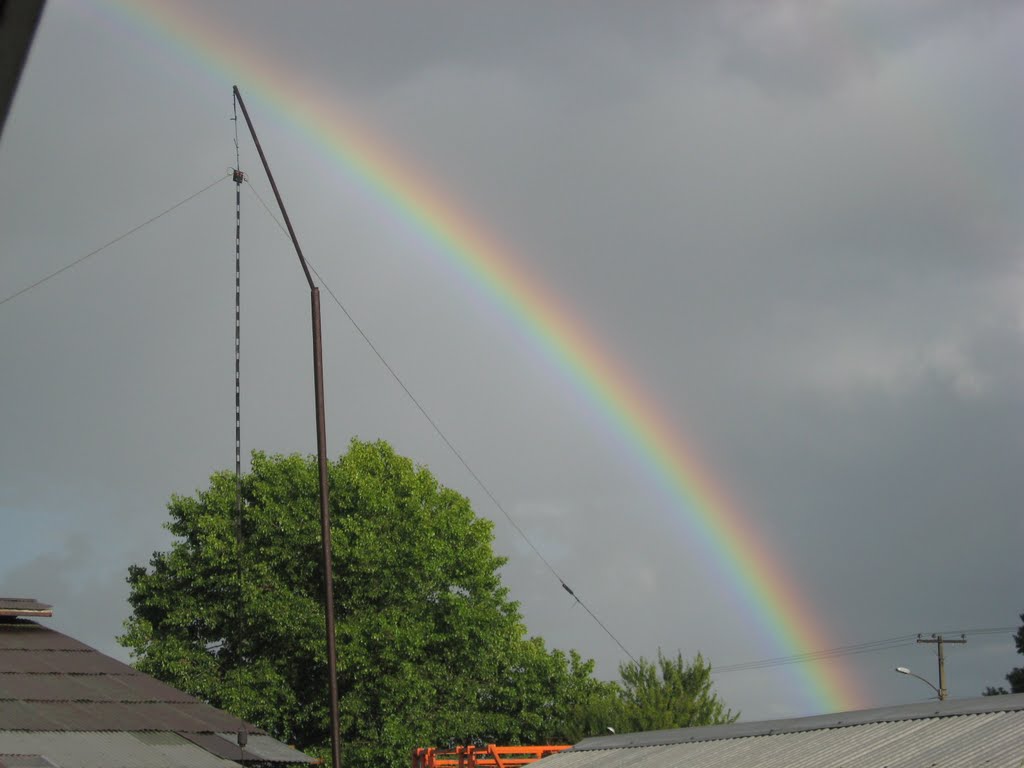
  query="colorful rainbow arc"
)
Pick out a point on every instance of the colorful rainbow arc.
point(759, 578)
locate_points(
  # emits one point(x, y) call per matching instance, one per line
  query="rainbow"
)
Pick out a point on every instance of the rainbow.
point(730, 539)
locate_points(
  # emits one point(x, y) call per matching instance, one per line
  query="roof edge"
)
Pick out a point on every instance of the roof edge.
point(924, 710)
point(12, 607)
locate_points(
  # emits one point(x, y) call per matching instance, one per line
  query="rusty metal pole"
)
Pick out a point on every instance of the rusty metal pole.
point(325, 525)
point(321, 452)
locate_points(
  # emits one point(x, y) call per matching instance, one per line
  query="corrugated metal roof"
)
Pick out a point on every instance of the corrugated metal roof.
point(25, 761)
point(114, 716)
point(111, 750)
point(258, 748)
point(268, 748)
point(40, 660)
point(973, 732)
point(27, 635)
point(51, 683)
point(87, 687)
point(226, 748)
point(923, 710)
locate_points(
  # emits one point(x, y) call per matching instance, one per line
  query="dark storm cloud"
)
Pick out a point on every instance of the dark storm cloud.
point(85, 593)
point(795, 224)
point(802, 47)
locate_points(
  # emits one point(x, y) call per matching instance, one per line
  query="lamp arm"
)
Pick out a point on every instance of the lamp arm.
point(925, 681)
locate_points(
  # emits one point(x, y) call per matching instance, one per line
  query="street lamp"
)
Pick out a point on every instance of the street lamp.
point(905, 671)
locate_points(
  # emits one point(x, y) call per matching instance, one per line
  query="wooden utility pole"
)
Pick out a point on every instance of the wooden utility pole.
point(939, 641)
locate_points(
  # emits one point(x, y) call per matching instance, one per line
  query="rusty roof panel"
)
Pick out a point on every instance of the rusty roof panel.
point(27, 716)
point(114, 688)
point(50, 682)
point(27, 635)
point(61, 662)
point(146, 688)
point(38, 687)
point(110, 716)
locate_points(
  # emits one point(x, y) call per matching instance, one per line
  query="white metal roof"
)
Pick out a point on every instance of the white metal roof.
point(111, 749)
point(985, 732)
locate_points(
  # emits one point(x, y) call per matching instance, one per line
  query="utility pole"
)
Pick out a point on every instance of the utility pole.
point(939, 641)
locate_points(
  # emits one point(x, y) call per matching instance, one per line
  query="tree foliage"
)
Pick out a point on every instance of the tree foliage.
point(431, 649)
point(666, 693)
point(670, 693)
point(1015, 677)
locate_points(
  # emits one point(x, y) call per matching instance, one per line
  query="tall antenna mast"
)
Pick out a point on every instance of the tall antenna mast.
point(321, 450)
point(238, 177)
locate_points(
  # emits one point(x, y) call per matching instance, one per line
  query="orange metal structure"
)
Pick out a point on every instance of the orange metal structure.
point(491, 756)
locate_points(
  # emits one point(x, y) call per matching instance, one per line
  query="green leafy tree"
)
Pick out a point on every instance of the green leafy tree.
point(1015, 677)
point(550, 692)
point(671, 693)
point(430, 647)
point(592, 714)
point(668, 693)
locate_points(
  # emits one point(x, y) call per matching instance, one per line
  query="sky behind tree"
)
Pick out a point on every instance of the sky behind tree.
point(795, 226)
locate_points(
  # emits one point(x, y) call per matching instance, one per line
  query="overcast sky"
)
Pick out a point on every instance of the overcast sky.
point(797, 224)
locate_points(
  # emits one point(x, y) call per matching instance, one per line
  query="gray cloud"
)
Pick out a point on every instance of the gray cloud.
point(800, 47)
point(796, 226)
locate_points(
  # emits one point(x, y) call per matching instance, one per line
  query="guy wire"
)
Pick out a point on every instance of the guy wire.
point(444, 438)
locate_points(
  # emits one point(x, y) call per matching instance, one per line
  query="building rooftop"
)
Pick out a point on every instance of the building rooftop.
point(60, 698)
point(985, 731)
point(18, 21)
point(24, 606)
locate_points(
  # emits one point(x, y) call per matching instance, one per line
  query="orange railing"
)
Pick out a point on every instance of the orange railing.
point(491, 756)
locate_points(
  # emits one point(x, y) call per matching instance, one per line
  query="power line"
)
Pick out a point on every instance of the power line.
point(821, 655)
point(447, 442)
point(872, 646)
point(117, 239)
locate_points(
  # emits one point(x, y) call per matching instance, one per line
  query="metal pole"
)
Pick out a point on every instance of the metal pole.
point(905, 671)
point(940, 641)
point(325, 525)
point(321, 451)
point(238, 178)
point(273, 186)
point(942, 672)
